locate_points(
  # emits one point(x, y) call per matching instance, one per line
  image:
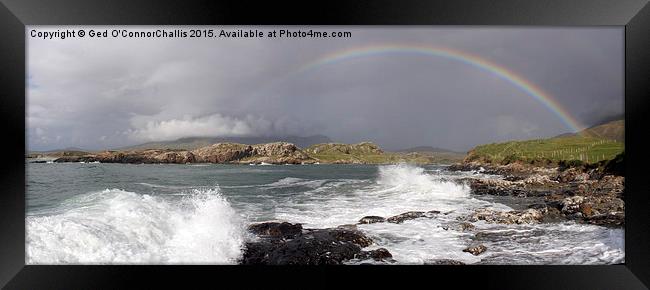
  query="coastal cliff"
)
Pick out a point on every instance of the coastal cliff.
point(268, 153)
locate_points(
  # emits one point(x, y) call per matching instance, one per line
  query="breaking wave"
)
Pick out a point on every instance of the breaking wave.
point(121, 227)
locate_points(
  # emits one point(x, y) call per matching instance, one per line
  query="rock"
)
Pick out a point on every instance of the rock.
point(349, 227)
point(528, 216)
point(532, 186)
point(277, 153)
point(330, 246)
point(466, 226)
point(276, 229)
point(380, 254)
point(222, 152)
point(475, 250)
point(611, 219)
point(176, 157)
point(443, 262)
point(570, 192)
point(400, 218)
point(571, 205)
point(371, 219)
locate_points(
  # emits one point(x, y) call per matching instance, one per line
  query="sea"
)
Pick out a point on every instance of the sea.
point(96, 213)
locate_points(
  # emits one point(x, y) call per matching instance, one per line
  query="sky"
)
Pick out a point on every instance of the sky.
point(106, 93)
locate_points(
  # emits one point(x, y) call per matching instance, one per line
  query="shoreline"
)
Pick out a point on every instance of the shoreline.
point(569, 195)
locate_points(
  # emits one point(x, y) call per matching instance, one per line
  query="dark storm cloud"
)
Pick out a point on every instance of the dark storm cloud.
point(105, 93)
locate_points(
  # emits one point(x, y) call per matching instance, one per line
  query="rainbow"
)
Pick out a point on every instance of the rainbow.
point(515, 79)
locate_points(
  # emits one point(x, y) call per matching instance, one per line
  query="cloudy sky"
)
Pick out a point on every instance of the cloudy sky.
point(113, 92)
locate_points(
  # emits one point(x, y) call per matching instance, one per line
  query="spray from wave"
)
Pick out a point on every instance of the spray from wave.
point(396, 189)
point(120, 227)
point(412, 180)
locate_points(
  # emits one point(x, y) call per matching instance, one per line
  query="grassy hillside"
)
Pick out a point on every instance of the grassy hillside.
point(613, 130)
point(591, 145)
point(585, 149)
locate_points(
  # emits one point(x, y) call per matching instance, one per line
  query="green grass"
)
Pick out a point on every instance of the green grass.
point(585, 149)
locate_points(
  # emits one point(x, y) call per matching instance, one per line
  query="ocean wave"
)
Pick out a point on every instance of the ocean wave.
point(397, 189)
point(410, 179)
point(121, 227)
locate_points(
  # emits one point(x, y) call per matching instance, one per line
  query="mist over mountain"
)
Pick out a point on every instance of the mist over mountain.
point(190, 143)
point(428, 149)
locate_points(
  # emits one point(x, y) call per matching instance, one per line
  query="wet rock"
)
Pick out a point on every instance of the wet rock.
point(400, 218)
point(604, 210)
point(570, 192)
point(330, 246)
point(349, 227)
point(282, 230)
point(533, 186)
point(380, 254)
point(528, 216)
point(571, 205)
point(611, 219)
point(371, 220)
point(466, 226)
point(443, 262)
point(475, 250)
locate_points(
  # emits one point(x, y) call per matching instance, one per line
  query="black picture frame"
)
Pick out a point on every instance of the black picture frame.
point(16, 14)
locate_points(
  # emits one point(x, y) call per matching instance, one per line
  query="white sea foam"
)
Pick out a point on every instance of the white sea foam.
point(401, 188)
point(397, 189)
point(121, 227)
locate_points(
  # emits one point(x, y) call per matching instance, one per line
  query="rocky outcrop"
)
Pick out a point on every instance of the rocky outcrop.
point(398, 219)
point(371, 220)
point(273, 153)
point(475, 250)
point(281, 243)
point(528, 216)
point(267, 153)
point(222, 152)
point(282, 230)
point(443, 262)
point(144, 156)
point(278, 153)
point(585, 193)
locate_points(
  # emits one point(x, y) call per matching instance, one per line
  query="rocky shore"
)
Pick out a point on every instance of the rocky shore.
point(592, 194)
point(584, 194)
point(283, 243)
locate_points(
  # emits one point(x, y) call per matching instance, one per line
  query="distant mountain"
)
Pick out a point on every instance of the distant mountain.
point(68, 149)
point(191, 143)
point(613, 130)
point(427, 149)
